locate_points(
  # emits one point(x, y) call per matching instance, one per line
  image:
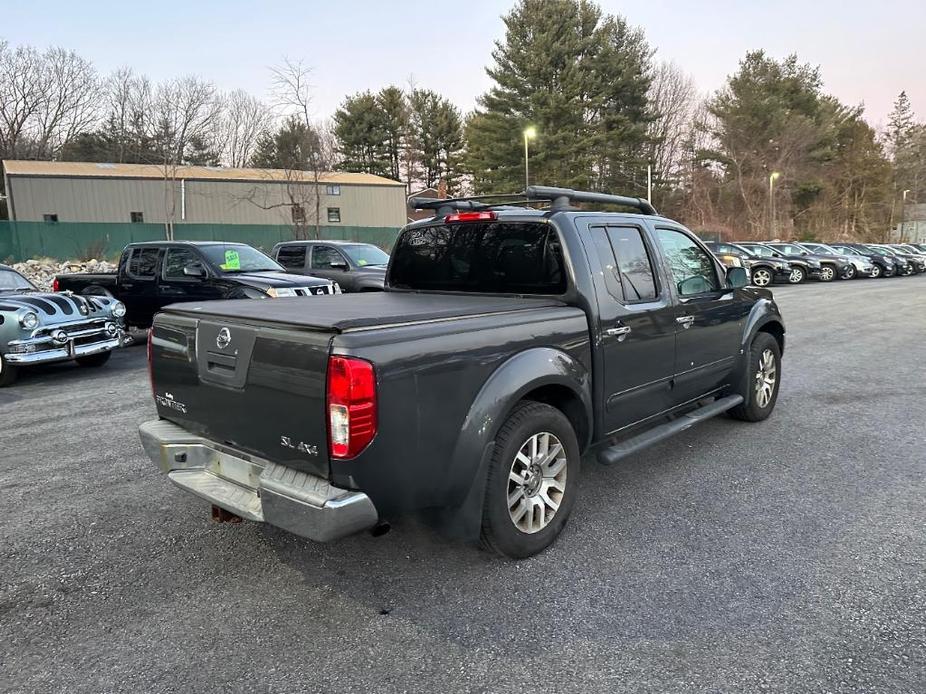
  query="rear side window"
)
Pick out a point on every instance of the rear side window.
point(634, 268)
point(143, 262)
point(292, 257)
point(480, 257)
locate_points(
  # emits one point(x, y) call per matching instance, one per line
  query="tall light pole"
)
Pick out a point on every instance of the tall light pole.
point(530, 132)
point(903, 213)
point(771, 201)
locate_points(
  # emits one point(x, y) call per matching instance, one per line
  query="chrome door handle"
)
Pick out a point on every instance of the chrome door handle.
point(685, 321)
point(620, 332)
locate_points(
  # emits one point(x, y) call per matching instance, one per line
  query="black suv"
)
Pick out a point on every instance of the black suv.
point(763, 271)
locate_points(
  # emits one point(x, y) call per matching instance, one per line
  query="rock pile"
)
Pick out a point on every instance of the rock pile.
point(42, 272)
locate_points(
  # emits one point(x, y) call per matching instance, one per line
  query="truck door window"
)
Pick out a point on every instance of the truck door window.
point(176, 260)
point(692, 268)
point(143, 263)
point(292, 257)
point(323, 256)
point(628, 271)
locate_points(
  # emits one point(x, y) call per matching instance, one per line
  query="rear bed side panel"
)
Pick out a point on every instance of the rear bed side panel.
point(264, 393)
point(429, 376)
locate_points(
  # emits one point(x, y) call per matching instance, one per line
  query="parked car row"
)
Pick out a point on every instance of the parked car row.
point(796, 262)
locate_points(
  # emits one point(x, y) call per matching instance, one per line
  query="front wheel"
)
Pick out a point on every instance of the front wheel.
point(92, 360)
point(797, 275)
point(8, 372)
point(761, 381)
point(827, 273)
point(762, 277)
point(532, 481)
point(875, 272)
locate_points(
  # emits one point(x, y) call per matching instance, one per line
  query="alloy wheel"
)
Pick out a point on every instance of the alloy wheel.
point(536, 482)
point(875, 271)
point(766, 377)
point(762, 277)
point(796, 276)
point(849, 273)
point(827, 273)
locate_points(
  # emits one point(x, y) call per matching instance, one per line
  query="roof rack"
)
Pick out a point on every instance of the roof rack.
point(559, 199)
point(562, 198)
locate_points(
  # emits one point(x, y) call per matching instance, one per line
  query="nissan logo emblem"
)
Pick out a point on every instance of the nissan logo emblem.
point(223, 339)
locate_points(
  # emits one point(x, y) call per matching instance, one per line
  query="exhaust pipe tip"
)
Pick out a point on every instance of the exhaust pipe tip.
point(380, 529)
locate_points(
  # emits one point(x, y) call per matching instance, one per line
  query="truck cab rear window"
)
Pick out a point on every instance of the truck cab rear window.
point(480, 257)
point(143, 262)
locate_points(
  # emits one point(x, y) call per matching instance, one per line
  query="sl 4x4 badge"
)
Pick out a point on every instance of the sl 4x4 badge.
point(167, 400)
point(307, 448)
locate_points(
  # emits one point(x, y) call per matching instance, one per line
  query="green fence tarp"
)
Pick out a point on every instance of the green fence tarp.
point(84, 240)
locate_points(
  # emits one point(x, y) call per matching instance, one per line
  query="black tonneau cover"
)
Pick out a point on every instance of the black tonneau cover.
point(362, 310)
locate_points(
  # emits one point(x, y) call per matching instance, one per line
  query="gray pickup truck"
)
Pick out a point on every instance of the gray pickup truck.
point(508, 342)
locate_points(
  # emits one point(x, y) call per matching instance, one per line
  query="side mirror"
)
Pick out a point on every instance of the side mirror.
point(194, 270)
point(694, 285)
point(736, 277)
point(338, 265)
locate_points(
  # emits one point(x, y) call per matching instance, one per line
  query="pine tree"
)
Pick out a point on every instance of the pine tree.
point(360, 129)
point(580, 79)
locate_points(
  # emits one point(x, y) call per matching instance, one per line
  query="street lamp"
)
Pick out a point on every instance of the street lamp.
point(530, 132)
point(774, 176)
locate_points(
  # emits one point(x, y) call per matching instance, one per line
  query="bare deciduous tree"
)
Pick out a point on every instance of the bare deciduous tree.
point(244, 119)
point(71, 92)
point(186, 110)
point(672, 96)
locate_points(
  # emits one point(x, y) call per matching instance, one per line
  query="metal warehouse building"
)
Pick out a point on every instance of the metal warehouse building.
point(140, 193)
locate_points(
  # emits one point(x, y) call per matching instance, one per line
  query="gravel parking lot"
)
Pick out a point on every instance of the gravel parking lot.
point(786, 556)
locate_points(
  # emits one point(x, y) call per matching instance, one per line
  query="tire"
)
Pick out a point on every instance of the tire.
point(875, 272)
point(797, 275)
point(8, 372)
point(504, 531)
point(94, 360)
point(757, 406)
point(762, 276)
point(850, 273)
point(827, 273)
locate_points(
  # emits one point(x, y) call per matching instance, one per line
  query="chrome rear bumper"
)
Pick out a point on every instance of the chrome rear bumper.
point(256, 489)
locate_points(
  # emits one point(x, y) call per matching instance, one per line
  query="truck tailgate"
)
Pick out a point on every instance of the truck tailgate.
point(257, 388)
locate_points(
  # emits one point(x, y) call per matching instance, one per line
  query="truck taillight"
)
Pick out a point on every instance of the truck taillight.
point(54, 285)
point(351, 405)
point(150, 371)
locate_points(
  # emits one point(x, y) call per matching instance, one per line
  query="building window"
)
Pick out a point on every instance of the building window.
point(298, 212)
point(333, 189)
point(50, 218)
point(137, 217)
point(334, 214)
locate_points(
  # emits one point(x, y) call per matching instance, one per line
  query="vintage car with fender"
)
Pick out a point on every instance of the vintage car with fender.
point(38, 327)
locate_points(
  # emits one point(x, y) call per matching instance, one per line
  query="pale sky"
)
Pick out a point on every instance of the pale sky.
point(868, 51)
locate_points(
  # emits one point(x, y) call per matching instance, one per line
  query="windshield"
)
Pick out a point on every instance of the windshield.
point(236, 257)
point(10, 280)
point(879, 251)
point(790, 249)
point(481, 257)
point(363, 255)
point(822, 248)
point(846, 251)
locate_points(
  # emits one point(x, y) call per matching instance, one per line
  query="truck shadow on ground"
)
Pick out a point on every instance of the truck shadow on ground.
point(665, 545)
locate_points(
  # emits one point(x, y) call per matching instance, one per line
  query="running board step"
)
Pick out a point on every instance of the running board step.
point(612, 454)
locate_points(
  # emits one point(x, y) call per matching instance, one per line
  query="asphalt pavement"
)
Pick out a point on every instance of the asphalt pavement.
point(785, 556)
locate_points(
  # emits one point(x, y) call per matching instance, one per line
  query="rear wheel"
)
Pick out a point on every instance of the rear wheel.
point(827, 273)
point(97, 359)
point(761, 380)
point(8, 372)
point(532, 482)
point(762, 277)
